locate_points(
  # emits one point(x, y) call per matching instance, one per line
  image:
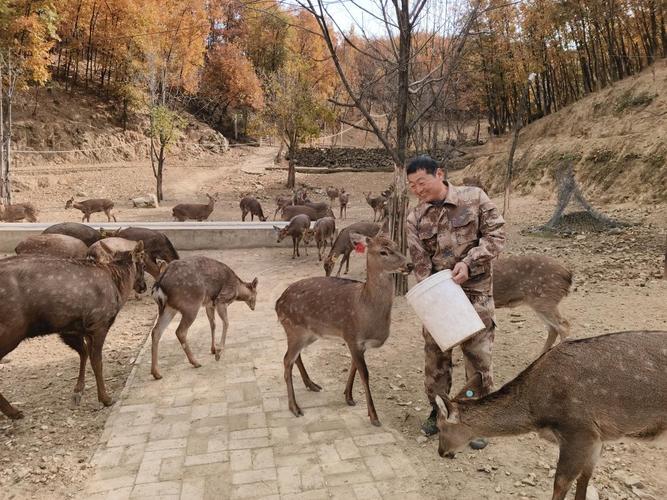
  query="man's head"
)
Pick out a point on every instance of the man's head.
point(425, 178)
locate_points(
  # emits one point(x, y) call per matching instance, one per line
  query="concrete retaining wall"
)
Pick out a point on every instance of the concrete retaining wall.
point(184, 235)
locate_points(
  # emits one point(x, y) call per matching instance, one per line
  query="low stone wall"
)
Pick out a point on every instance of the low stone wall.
point(184, 235)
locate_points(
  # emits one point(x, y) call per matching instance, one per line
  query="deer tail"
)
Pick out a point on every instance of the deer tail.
point(159, 296)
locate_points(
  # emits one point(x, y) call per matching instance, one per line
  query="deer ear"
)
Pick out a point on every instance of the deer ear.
point(276, 229)
point(359, 241)
point(449, 409)
point(442, 406)
point(254, 283)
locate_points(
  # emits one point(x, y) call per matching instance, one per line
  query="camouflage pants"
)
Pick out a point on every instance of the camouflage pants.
point(476, 353)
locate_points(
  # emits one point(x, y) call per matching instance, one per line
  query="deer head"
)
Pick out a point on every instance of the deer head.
point(382, 253)
point(453, 434)
point(281, 232)
point(69, 203)
point(248, 293)
point(308, 235)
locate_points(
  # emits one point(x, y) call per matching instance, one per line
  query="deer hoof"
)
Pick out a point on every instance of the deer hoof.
point(298, 412)
point(350, 401)
point(156, 375)
point(314, 387)
point(14, 414)
point(107, 401)
point(376, 422)
point(218, 354)
point(212, 350)
point(196, 365)
point(76, 398)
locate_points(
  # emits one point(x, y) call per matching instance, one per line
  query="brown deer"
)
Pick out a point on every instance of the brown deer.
point(343, 246)
point(79, 301)
point(156, 246)
point(333, 193)
point(17, 212)
point(580, 393)
point(249, 204)
point(56, 245)
point(185, 286)
point(358, 312)
point(323, 232)
point(378, 204)
point(343, 200)
point(292, 210)
point(196, 211)
point(538, 281)
point(80, 231)
point(282, 201)
point(296, 228)
point(92, 206)
point(300, 196)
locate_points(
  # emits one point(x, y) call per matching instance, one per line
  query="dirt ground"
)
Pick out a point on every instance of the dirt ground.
point(617, 286)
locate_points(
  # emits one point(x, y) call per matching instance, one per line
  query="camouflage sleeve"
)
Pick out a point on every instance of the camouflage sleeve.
point(420, 257)
point(492, 238)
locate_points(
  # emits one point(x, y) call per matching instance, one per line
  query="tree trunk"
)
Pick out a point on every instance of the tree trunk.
point(291, 169)
point(159, 176)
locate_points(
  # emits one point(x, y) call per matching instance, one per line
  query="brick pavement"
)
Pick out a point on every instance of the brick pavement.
point(224, 430)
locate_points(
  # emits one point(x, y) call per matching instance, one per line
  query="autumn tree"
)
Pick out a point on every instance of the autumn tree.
point(27, 33)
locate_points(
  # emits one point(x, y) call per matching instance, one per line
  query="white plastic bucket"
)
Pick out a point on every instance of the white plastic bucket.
point(444, 310)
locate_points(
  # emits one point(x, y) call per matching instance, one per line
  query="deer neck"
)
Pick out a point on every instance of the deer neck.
point(497, 415)
point(379, 286)
point(123, 278)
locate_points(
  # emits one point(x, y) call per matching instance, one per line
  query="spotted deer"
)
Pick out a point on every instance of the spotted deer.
point(78, 299)
point(579, 394)
point(282, 201)
point(56, 245)
point(358, 312)
point(343, 201)
point(185, 286)
point(79, 231)
point(377, 203)
point(324, 232)
point(250, 205)
point(92, 206)
point(333, 193)
point(297, 227)
point(538, 281)
point(196, 211)
point(17, 211)
point(343, 246)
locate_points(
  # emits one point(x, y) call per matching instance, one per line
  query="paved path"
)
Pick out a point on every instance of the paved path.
point(224, 430)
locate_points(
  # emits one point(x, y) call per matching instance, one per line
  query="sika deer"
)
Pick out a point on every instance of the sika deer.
point(323, 232)
point(56, 245)
point(343, 200)
point(250, 205)
point(78, 299)
point(196, 211)
point(282, 202)
point(156, 246)
point(296, 228)
point(89, 207)
point(17, 212)
point(343, 246)
point(358, 312)
point(378, 204)
point(185, 286)
point(538, 281)
point(580, 394)
point(80, 231)
point(291, 211)
point(332, 193)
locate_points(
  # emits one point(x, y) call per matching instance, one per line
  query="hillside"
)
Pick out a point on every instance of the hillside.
point(616, 139)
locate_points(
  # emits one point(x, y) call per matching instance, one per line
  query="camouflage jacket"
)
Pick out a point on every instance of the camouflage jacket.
point(466, 227)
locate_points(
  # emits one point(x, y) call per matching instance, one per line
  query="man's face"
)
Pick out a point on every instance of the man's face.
point(427, 187)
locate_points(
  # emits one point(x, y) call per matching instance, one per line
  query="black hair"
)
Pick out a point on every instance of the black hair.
point(422, 162)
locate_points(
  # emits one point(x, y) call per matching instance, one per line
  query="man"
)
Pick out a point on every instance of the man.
point(457, 228)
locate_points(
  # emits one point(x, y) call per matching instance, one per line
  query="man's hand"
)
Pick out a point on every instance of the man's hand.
point(460, 273)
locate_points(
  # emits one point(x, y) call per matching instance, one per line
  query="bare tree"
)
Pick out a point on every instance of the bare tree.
point(394, 57)
point(12, 73)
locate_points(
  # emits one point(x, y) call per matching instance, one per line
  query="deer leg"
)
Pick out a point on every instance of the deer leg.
point(161, 324)
point(79, 345)
point(297, 339)
point(578, 455)
point(187, 318)
point(210, 312)
point(310, 385)
point(350, 382)
point(556, 326)
point(360, 363)
point(7, 344)
point(83, 219)
point(222, 312)
point(95, 343)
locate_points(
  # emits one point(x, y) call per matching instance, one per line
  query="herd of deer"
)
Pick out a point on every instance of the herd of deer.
point(579, 393)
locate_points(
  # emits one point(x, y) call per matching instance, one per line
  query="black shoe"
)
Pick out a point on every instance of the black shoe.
point(479, 443)
point(430, 426)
